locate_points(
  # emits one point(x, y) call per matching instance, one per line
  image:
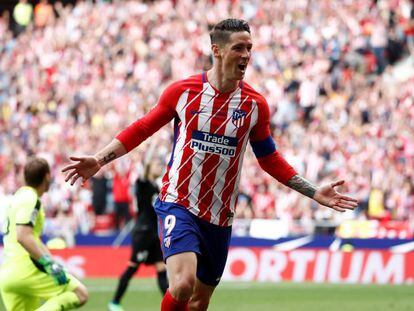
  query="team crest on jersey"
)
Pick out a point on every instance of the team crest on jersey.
point(238, 118)
point(167, 241)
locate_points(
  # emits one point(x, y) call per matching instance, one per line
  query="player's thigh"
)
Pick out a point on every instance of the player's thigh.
point(15, 280)
point(18, 302)
point(181, 267)
point(43, 285)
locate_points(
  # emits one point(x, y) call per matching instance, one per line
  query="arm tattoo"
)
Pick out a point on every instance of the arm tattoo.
point(301, 185)
point(109, 157)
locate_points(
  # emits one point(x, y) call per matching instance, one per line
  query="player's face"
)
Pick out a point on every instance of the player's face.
point(236, 55)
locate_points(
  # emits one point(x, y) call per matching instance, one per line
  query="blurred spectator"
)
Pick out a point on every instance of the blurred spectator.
point(62, 225)
point(308, 94)
point(263, 202)
point(379, 42)
point(43, 13)
point(244, 208)
point(376, 204)
point(121, 195)
point(22, 15)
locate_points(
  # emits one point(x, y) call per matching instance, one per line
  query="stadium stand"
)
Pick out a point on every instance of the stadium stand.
point(339, 81)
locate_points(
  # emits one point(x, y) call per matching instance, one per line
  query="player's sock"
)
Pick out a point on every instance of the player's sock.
point(169, 303)
point(65, 301)
point(123, 283)
point(162, 281)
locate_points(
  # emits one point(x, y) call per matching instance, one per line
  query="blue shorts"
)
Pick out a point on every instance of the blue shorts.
point(180, 231)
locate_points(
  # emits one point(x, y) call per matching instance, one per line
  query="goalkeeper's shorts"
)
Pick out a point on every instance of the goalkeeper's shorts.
point(25, 287)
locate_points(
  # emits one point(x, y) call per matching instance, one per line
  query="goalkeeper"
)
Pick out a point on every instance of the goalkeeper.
point(29, 275)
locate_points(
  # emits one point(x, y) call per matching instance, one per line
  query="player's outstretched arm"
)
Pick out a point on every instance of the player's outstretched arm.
point(325, 195)
point(129, 138)
point(271, 161)
point(87, 166)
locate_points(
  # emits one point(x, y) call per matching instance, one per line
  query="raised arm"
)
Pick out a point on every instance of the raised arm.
point(87, 166)
point(271, 161)
point(325, 195)
point(129, 138)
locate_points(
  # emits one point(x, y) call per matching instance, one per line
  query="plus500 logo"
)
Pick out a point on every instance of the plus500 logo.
point(213, 143)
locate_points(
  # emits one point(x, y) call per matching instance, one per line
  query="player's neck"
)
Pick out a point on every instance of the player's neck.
point(40, 190)
point(219, 81)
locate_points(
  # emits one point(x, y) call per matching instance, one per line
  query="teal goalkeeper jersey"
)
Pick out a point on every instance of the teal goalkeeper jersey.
point(25, 209)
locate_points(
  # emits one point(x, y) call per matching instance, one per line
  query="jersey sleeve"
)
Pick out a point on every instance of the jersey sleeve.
point(27, 209)
point(264, 147)
point(159, 116)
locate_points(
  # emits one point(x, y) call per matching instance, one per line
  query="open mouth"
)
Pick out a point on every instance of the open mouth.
point(242, 67)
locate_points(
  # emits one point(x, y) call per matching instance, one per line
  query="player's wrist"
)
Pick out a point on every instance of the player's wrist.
point(54, 269)
point(45, 260)
point(99, 161)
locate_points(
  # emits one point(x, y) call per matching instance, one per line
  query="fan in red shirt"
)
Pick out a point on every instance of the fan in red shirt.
point(121, 196)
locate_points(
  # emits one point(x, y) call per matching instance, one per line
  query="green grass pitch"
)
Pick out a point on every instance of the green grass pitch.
point(143, 295)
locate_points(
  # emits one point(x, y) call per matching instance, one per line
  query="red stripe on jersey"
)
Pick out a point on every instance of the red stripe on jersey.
point(212, 185)
point(233, 169)
point(166, 177)
point(182, 131)
point(185, 165)
point(212, 161)
point(186, 160)
point(194, 86)
point(165, 183)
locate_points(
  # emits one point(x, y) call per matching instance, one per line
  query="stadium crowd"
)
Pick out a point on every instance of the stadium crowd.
point(341, 104)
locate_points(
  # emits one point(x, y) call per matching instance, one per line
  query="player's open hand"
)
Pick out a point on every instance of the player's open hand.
point(328, 196)
point(84, 167)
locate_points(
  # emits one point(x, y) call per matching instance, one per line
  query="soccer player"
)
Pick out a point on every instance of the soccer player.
point(29, 274)
point(215, 114)
point(145, 242)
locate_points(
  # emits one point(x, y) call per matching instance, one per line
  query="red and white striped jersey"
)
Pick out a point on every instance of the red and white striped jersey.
point(211, 131)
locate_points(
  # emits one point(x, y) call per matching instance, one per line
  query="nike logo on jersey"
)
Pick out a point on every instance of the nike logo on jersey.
point(218, 114)
point(194, 112)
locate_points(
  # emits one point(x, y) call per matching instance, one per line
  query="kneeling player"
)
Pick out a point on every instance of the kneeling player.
point(29, 275)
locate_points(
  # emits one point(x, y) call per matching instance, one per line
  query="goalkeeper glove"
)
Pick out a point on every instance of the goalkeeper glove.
point(54, 269)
